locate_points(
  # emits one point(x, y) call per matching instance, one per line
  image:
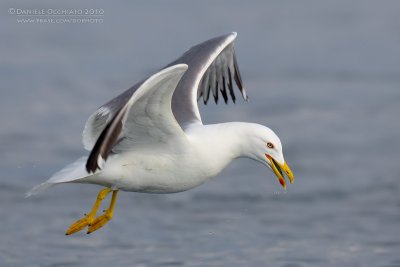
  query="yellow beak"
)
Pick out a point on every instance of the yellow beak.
point(279, 169)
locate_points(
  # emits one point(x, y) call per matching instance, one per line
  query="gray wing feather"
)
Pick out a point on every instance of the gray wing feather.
point(212, 65)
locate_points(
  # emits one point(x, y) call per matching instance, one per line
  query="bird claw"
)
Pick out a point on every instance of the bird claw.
point(80, 224)
point(89, 219)
point(99, 222)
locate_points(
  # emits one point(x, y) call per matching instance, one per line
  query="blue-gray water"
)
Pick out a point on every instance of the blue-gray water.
point(325, 75)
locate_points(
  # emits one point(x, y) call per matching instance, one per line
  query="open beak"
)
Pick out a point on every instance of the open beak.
point(279, 169)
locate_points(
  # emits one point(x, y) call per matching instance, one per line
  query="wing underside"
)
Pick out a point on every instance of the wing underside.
point(146, 118)
point(212, 70)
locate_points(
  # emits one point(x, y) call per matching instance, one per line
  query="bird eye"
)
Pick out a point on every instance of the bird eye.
point(270, 145)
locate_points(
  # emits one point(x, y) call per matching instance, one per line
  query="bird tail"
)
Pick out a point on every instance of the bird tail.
point(72, 172)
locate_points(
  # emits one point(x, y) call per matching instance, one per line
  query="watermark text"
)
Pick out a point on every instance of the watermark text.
point(58, 16)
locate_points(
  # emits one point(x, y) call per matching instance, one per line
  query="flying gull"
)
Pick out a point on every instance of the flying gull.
point(151, 138)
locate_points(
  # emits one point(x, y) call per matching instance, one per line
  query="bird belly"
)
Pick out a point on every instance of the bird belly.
point(153, 174)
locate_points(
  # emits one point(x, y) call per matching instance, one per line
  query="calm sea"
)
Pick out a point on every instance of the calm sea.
point(324, 75)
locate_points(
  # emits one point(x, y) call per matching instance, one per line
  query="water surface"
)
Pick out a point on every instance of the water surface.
point(324, 76)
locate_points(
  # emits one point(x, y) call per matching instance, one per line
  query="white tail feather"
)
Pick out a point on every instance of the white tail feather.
point(70, 173)
point(38, 189)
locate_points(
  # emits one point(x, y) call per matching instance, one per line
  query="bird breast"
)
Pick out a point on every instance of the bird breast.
point(158, 172)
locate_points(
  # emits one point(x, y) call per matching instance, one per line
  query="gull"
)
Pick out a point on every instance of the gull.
point(151, 138)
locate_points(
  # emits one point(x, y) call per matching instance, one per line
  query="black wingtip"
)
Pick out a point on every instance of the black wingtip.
point(104, 143)
point(216, 97)
point(224, 95)
point(206, 96)
point(92, 166)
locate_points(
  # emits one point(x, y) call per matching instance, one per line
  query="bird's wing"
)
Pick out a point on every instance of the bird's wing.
point(212, 70)
point(98, 121)
point(145, 119)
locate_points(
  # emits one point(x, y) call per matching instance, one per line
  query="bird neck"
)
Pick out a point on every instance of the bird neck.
point(225, 141)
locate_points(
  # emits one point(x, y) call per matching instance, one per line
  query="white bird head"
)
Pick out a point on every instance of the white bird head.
point(266, 148)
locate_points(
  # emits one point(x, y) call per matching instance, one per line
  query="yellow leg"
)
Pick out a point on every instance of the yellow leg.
point(89, 218)
point(103, 219)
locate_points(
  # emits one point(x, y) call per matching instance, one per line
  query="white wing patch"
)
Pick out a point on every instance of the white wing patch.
point(94, 126)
